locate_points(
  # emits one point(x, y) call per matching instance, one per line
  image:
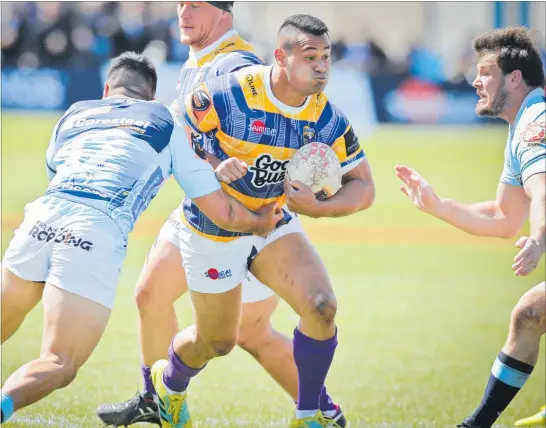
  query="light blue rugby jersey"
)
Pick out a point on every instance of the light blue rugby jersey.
point(525, 151)
point(114, 155)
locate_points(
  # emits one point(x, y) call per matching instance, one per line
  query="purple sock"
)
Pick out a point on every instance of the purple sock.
point(313, 359)
point(177, 375)
point(147, 378)
point(326, 402)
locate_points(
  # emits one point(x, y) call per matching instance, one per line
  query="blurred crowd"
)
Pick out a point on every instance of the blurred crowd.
point(57, 34)
point(86, 34)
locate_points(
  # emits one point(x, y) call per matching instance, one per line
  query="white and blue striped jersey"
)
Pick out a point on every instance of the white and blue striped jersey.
point(525, 151)
point(114, 155)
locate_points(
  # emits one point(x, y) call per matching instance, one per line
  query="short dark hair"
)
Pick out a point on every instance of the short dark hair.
point(304, 23)
point(516, 51)
point(135, 74)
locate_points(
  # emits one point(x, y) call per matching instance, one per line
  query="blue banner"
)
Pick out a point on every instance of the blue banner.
point(48, 89)
point(404, 99)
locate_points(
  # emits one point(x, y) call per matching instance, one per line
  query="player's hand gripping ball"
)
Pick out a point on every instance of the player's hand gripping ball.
point(317, 166)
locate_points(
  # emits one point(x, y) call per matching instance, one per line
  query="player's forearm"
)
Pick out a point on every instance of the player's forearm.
point(241, 219)
point(229, 214)
point(355, 195)
point(481, 219)
point(213, 160)
point(538, 219)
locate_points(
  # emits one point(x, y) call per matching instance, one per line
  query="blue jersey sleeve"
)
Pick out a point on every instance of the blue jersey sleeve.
point(508, 176)
point(194, 175)
point(530, 151)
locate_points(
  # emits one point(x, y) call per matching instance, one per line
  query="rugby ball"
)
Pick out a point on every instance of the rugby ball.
point(317, 166)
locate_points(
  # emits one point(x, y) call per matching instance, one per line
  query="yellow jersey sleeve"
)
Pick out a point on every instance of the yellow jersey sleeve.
point(199, 111)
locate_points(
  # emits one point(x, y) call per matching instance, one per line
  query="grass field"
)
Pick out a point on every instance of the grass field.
point(423, 308)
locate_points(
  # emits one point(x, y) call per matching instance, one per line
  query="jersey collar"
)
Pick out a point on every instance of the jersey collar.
point(200, 54)
point(276, 102)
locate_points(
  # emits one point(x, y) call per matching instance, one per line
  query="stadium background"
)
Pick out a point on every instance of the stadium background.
point(423, 308)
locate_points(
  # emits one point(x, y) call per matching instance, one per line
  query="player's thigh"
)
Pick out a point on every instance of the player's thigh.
point(26, 263)
point(291, 266)
point(73, 326)
point(217, 316)
point(162, 279)
point(19, 296)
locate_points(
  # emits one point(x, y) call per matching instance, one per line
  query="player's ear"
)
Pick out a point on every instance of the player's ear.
point(280, 57)
point(106, 90)
point(516, 78)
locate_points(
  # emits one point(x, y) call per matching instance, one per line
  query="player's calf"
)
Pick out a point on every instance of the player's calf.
point(516, 361)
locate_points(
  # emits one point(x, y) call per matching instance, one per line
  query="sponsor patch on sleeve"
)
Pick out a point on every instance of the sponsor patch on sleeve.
point(351, 142)
point(534, 134)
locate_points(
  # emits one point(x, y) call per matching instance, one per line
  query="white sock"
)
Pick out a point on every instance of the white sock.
point(302, 414)
point(171, 392)
point(329, 413)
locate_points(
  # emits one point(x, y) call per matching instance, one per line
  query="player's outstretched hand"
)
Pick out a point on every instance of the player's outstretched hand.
point(270, 215)
point(300, 198)
point(528, 258)
point(231, 170)
point(417, 189)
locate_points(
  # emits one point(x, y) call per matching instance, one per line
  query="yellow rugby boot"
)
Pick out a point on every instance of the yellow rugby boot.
point(538, 420)
point(317, 421)
point(173, 409)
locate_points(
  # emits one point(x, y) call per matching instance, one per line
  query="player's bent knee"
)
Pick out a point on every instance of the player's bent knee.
point(530, 312)
point(65, 368)
point(322, 305)
point(146, 298)
point(152, 296)
point(253, 339)
point(220, 348)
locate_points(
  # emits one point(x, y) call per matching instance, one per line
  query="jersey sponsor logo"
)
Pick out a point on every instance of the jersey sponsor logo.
point(198, 145)
point(121, 122)
point(534, 134)
point(308, 134)
point(215, 274)
point(259, 127)
point(73, 186)
point(351, 142)
point(42, 232)
point(267, 170)
point(223, 48)
point(200, 100)
point(250, 82)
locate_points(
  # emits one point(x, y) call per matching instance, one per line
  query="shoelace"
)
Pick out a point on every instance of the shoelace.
point(175, 407)
point(329, 423)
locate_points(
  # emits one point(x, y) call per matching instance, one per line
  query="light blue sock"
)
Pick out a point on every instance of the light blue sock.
point(7, 407)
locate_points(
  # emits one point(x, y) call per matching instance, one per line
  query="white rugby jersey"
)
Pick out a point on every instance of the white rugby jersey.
point(114, 155)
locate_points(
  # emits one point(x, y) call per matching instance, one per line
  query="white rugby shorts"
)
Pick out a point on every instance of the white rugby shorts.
point(69, 245)
point(253, 290)
point(216, 267)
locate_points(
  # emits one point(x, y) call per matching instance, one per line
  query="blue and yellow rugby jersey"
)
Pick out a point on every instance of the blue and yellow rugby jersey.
point(228, 54)
point(255, 127)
